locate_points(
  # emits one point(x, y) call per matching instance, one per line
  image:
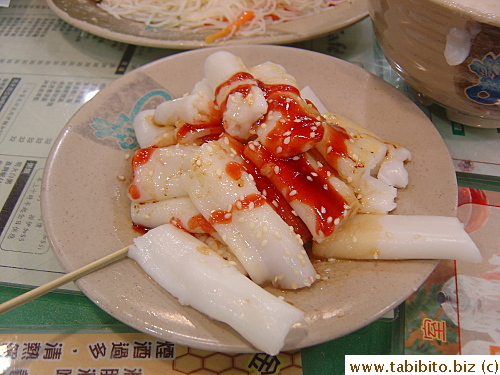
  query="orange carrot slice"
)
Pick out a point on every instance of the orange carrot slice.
point(245, 17)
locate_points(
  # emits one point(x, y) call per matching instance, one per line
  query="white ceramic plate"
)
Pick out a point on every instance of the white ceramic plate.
point(86, 15)
point(86, 210)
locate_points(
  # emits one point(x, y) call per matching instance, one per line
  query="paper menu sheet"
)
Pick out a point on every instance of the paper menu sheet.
point(49, 69)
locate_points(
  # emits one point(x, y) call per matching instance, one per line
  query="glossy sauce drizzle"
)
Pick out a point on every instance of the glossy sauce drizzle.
point(141, 157)
point(298, 180)
point(248, 202)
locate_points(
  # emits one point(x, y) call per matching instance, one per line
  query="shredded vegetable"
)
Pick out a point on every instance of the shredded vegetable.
point(221, 18)
point(245, 17)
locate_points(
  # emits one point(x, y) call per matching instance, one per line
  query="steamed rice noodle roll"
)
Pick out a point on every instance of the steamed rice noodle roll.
point(237, 93)
point(226, 195)
point(317, 196)
point(374, 168)
point(157, 173)
point(179, 211)
point(194, 116)
point(197, 276)
point(367, 236)
point(149, 133)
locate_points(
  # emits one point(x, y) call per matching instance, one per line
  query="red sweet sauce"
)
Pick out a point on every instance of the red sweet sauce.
point(225, 217)
point(335, 145)
point(205, 131)
point(291, 175)
point(139, 228)
point(272, 194)
point(234, 170)
point(241, 76)
point(141, 157)
point(198, 221)
point(300, 130)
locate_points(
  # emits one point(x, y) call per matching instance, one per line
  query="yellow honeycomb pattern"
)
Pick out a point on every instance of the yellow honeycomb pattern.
point(200, 362)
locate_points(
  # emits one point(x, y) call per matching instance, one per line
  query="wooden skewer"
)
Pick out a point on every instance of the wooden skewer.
point(54, 284)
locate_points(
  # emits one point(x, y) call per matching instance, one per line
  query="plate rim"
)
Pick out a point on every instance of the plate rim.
point(359, 12)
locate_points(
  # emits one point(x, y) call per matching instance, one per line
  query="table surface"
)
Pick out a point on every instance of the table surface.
point(49, 69)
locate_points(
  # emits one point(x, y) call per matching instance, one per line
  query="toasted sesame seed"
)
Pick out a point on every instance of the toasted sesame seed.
point(329, 219)
point(239, 205)
point(417, 236)
point(228, 215)
point(314, 174)
point(121, 178)
point(336, 221)
point(147, 216)
point(323, 210)
point(277, 235)
point(264, 243)
point(312, 134)
point(279, 150)
point(354, 239)
point(281, 298)
point(276, 169)
point(329, 149)
point(309, 178)
point(292, 193)
point(287, 133)
point(389, 234)
point(294, 285)
point(287, 140)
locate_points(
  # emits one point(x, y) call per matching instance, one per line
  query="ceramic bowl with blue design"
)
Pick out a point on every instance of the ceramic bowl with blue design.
point(447, 51)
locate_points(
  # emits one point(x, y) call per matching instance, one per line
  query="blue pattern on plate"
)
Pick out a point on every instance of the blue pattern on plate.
point(122, 129)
